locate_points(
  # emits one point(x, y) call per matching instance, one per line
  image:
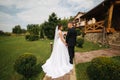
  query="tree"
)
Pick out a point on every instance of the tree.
point(23, 31)
point(71, 18)
point(17, 29)
point(33, 29)
point(41, 31)
point(64, 23)
point(49, 27)
point(1, 33)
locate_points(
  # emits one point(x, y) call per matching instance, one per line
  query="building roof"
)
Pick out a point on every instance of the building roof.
point(99, 10)
point(78, 14)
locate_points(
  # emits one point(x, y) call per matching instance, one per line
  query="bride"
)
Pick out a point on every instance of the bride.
point(58, 64)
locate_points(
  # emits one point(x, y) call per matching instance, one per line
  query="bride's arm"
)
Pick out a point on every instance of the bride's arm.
point(62, 38)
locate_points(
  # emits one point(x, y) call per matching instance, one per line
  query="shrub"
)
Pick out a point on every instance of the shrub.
point(7, 34)
point(4, 33)
point(80, 42)
point(78, 31)
point(41, 34)
point(27, 37)
point(32, 37)
point(104, 69)
point(26, 65)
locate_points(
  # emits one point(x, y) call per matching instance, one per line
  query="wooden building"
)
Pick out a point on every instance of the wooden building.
point(77, 20)
point(107, 15)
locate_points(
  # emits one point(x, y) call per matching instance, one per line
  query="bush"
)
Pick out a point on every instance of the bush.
point(41, 34)
point(104, 69)
point(7, 34)
point(27, 37)
point(32, 37)
point(26, 65)
point(4, 33)
point(80, 42)
point(78, 31)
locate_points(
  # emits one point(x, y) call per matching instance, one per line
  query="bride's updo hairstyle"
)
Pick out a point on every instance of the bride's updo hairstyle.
point(59, 26)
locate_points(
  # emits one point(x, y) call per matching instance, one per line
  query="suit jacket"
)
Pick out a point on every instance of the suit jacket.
point(71, 37)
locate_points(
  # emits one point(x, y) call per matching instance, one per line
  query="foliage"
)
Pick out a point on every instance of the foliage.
point(23, 31)
point(89, 46)
point(71, 18)
point(116, 57)
point(104, 69)
point(80, 42)
point(49, 27)
point(41, 32)
point(27, 37)
point(7, 34)
point(78, 30)
point(81, 69)
point(31, 37)
point(64, 23)
point(4, 33)
point(81, 73)
point(33, 29)
point(26, 65)
point(17, 30)
point(1, 33)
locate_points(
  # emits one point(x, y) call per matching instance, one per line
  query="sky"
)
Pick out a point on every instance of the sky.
point(23, 12)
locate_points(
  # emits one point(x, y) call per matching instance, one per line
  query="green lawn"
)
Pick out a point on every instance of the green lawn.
point(89, 46)
point(81, 71)
point(12, 47)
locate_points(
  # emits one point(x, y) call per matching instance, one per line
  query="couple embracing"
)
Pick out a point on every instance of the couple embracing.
point(61, 60)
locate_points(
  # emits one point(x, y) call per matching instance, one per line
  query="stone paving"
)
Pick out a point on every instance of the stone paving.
point(69, 76)
point(81, 57)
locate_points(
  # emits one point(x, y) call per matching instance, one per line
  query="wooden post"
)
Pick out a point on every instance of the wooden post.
point(51, 46)
point(85, 25)
point(104, 36)
point(110, 16)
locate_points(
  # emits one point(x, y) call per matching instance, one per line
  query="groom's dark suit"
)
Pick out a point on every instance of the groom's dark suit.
point(71, 41)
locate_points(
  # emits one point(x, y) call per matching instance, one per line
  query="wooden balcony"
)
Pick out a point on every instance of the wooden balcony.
point(96, 27)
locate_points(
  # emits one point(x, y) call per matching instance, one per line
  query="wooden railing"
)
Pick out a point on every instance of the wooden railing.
point(96, 27)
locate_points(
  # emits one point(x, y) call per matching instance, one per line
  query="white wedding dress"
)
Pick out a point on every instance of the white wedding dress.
point(58, 64)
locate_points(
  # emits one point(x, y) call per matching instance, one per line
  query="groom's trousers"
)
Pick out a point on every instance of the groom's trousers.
point(71, 53)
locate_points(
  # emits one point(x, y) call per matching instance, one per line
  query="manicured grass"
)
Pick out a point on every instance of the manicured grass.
point(81, 73)
point(89, 46)
point(12, 47)
point(81, 68)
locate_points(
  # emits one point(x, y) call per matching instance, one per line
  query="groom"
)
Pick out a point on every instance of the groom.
point(71, 40)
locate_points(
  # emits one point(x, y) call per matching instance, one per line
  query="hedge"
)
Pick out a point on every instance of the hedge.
point(104, 68)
